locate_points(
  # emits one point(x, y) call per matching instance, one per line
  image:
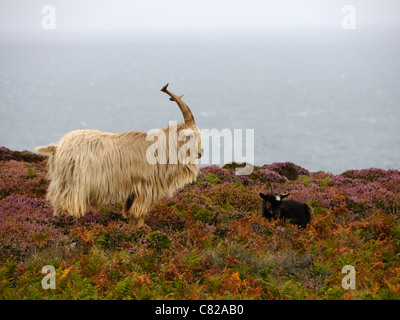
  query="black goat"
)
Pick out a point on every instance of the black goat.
point(273, 207)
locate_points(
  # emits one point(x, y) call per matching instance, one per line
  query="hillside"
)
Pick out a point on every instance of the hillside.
point(208, 241)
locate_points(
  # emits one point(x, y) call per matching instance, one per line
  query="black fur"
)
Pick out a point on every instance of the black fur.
point(297, 213)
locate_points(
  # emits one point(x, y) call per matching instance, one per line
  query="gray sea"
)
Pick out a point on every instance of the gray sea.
point(323, 99)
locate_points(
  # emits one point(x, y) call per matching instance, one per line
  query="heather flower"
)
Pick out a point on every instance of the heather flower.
point(21, 178)
point(132, 250)
point(223, 175)
point(210, 230)
point(245, 179)
point(270, 175)
point(372, 174)
point(311, 283)
point(26, 224)
point(288, 169)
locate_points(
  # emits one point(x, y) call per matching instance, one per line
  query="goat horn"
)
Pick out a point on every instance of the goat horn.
point(187, 114)
point(272, 189)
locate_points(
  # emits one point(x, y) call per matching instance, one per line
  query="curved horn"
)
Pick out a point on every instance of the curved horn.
point(187, 114)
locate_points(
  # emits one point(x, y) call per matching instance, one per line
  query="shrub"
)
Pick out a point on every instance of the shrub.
point(207, 241)
point(7, 155)
point(25, 225)
point(267, 175)
point(158, 241)
point(288, 169)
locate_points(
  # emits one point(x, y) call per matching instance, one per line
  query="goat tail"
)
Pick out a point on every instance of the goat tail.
point(48, 151)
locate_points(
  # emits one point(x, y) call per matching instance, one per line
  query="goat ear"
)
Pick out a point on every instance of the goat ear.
point(285, 195)
point(263, 196)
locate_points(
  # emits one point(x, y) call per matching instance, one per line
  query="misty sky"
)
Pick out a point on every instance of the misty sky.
point(23, 17)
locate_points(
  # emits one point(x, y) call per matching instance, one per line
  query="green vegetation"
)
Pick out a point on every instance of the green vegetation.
point(208, 241)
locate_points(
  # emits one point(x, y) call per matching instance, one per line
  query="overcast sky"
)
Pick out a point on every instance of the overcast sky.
point(25, 16)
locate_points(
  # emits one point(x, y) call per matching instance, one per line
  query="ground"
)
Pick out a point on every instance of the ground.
point(209, 241)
